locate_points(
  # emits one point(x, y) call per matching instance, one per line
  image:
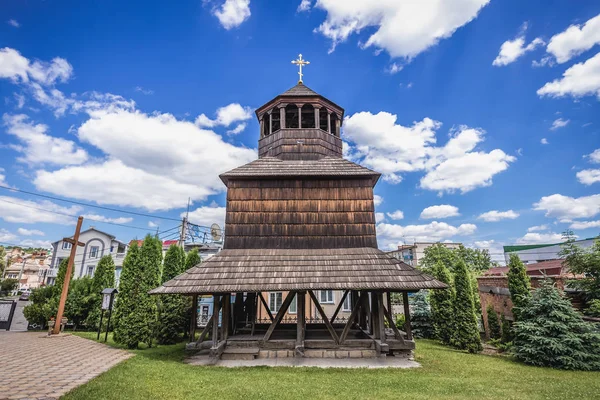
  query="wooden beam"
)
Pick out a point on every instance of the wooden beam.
point(332, 332)
point(225, 316)
point(301, 323)
point(194, 319)
point(350, 322)
point(254, 312)
point(392, 323)
point(217, 350)
point(379, 326)
point(280, 314)
point(264, 302)
point(339, 306)
point(407, 326)
point(215, 327)
point(206, 329)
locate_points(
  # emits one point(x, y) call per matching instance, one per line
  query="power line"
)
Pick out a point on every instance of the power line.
point(75, 216)
point(88, 204)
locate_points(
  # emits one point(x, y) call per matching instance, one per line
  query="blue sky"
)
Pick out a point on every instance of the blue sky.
point(486, 110)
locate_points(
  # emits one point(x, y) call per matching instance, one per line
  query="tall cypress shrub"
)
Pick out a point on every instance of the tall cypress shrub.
point(192, 259)
point(132, 324)
point(104, 277)
point(518, 284)
point(172, 307)
point(442, 304)
point(421, 321)
point(151, 261)
point(493, 323)
point(466, 331)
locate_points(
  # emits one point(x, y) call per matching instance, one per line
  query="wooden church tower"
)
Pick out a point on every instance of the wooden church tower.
point(300, 219)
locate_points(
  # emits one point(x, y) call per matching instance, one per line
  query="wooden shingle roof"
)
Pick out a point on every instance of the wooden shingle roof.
point(272, 167)
point(300, 90)
point(254, 270)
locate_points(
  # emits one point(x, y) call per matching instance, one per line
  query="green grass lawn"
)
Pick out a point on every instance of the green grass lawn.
point(159, 373)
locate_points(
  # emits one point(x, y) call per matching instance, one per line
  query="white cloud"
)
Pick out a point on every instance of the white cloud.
point(152, 224)
point(7, 237)
point(566, 208)
point(495, 249)
point(403, 29)
point(304, 5)
point(379, 217)
point(207, 215)
point(440, 211)
point(232, 13)
point(102, 218)
point(559, 123)
point(39, 147)
point(579, 80)
point(394, 68)
point(575, 40)
point(594, 157)
point(238, 129)
point(588, 176)
point(377, 199)
point(585, 224)
point(20, 99)
point(20, 69)
point(147, 92)
point(14, 23)
point(537, 228)
point(544, 141)
point(538, 238)
point(495, 215)
point(432, 232)
point(17, 210)
point(45, 244)
point(379, 143)
point(513, 49)
point(226, 116)
point(30, 232)
point(396, 215)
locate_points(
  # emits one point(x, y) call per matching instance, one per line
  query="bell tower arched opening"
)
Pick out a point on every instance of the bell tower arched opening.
point(308, 116)
point(291, 116)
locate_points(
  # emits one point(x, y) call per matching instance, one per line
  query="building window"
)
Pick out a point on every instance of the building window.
point(293, 306)
point(90, 270)
point(94, 250)
point(275, 300)
point(326, 297)
point(347, 306)
point(66, 246)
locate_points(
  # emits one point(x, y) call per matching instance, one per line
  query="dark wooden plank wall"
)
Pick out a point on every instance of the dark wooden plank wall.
point(300, 214)
point(284, 144)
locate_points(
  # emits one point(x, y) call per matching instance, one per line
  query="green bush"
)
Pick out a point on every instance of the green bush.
point(442, 309)
point(493, 324)
point(400, 321)
point(593, 309)
point(104, 277)
point(551, 333)
point(506, 330)
point(8, 285)
point(43, 306)
point(80, 301)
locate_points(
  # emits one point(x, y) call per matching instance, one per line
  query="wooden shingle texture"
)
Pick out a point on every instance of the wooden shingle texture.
point(255, 270)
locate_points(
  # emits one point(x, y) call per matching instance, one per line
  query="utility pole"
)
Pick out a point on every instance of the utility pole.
point(65, 289)
point(183, 233)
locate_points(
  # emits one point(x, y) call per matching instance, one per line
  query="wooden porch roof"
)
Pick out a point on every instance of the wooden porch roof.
point(257, 270)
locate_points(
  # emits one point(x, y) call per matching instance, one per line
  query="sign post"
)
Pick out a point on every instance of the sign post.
point(108, 296)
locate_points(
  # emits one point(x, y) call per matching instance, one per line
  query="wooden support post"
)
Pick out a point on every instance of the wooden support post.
point(317, 118)
point(299, 116)
point(282, 116)
point(238, 316)
point(225, 316)
point(407, 326)
point(264, 302)
point(339, 306)
point(380, 318)
point(206, 329)
point(328, 325)
point(270, 123)
point(392, 324)
point(280, 314)
point(301, 323)
point(215, 327)
point(65, 289)
point(254, 312)
point(194, 319)
point(328, 121)
point(388, 297)
point(350, 322)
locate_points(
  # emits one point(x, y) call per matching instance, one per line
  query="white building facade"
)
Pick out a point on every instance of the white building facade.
point(412, 254)
point(96, 245)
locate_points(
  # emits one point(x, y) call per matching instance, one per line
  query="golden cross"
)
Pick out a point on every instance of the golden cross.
point(300, 63)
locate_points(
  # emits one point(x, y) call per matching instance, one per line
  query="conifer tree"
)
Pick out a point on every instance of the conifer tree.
point(151, 258)
point(442, 304)
point(493, 323)
point(192, 259)
point(518, 284)
point(172, 307)
point(421, 321)
point(506, 330)
point(549, 332)
point(466, 331)
point(133, 324)
point(104, 277)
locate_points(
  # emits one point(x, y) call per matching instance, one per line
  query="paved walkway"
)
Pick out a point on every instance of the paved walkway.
point(37, 367)
point(19, 323)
